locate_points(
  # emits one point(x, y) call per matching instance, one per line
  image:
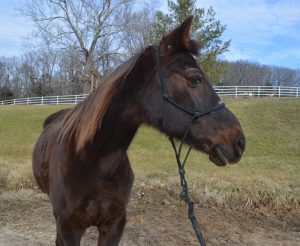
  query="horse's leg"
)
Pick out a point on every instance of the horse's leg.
point(117, 231)
point(66, 234)
point(110, 235)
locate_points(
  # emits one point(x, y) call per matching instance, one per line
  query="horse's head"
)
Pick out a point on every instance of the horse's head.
point(184, 99)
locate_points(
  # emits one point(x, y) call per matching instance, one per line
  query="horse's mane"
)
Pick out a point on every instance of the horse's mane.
point(81, 123)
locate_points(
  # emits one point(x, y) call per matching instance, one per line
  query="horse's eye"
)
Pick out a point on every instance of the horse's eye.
point(196, 79)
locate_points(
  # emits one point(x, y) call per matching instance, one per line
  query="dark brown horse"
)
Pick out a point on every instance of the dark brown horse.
point(80, 159)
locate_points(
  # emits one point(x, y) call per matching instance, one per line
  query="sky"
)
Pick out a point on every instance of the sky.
point(13, 28)
point(263, 31)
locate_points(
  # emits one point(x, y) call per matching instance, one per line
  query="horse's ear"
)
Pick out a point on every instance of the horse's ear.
point(178, 38)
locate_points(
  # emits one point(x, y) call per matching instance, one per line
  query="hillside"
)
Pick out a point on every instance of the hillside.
point(268, 173)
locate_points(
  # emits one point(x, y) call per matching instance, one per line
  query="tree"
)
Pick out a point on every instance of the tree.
point(249, 73)
point(84, 25)
point(9, 75)
point(137, 29)
point(206, 30)
point(5, 93)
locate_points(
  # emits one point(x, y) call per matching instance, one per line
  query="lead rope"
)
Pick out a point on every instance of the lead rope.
point(184, 194)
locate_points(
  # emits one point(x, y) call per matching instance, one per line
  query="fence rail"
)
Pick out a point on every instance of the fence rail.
point(258, 91)
point(230, 91)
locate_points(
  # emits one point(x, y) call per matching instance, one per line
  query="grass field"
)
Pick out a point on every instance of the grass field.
point(267, 176)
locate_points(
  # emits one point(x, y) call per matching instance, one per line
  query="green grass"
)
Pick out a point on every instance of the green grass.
point(268, 174)
point(20, 127)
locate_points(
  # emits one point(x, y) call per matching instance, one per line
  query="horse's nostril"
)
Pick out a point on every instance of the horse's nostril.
point(241, 143)
point(240, 146)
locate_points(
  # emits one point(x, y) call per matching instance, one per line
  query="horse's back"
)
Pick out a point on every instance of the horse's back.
point(44, 147)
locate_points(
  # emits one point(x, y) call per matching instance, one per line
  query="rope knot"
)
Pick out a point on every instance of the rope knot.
point(196, 115)
point(181, 171)
point(165, 96)
point(183, 195)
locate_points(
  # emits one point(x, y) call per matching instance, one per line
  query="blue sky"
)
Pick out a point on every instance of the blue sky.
point(264, 31)
point(13, 28)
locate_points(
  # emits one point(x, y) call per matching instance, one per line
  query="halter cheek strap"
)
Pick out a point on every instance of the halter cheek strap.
point(166, 96)
point(184, 194)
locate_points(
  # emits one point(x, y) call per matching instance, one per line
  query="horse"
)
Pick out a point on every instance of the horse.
point(80, 159)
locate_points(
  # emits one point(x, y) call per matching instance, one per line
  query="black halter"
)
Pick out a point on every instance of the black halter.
point(184, 194)
point(166, 96)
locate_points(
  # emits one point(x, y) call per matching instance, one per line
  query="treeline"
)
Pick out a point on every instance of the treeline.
point(249, 73)
point(42, 73)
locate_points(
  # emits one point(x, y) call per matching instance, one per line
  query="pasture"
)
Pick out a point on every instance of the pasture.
point(267, 180)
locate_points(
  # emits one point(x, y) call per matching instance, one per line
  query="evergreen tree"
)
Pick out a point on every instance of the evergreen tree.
point(205, 29)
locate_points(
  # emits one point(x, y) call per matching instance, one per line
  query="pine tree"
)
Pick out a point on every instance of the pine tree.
point(205, 29)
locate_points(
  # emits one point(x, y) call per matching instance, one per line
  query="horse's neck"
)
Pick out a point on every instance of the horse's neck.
point(124, 116)
point(116, 132)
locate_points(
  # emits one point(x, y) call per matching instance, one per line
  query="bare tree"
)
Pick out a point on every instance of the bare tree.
point(3, 75)
point(248, 73)
point(137, 29)
point(9, 77)
point(235, 73)
point(84, 25)
point(283, 76)
point(5, 90)
point(297, 78)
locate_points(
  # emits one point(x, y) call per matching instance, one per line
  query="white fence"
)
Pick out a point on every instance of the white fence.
point(258, 91)
point(56, 100)
point(231, 91)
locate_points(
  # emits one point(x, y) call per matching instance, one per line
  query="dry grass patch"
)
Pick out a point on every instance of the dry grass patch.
point(16, 176)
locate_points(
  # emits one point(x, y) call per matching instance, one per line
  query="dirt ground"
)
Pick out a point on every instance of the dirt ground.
point(156, 216)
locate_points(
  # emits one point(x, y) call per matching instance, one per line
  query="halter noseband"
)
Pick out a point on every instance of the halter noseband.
point(184, 194)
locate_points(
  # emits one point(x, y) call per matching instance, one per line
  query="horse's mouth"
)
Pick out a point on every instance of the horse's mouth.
point(221, 157)
point(216, 156)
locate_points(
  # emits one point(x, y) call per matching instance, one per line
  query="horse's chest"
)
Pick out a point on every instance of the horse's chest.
point(98, 195)
point(104, 205)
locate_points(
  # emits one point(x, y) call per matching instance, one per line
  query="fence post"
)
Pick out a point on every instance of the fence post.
point(2, 103)
point(258, 91)
point(75, 99)
point(297, 94)
point(14, 101)
point(42, 101)
point(27, 102)
point(56, 100)
point(236, 91)
point(279, 91)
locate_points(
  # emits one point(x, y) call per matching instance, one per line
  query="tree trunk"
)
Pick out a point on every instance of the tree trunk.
point(87, 77)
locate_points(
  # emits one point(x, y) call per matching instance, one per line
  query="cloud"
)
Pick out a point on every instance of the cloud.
point(266, 31)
